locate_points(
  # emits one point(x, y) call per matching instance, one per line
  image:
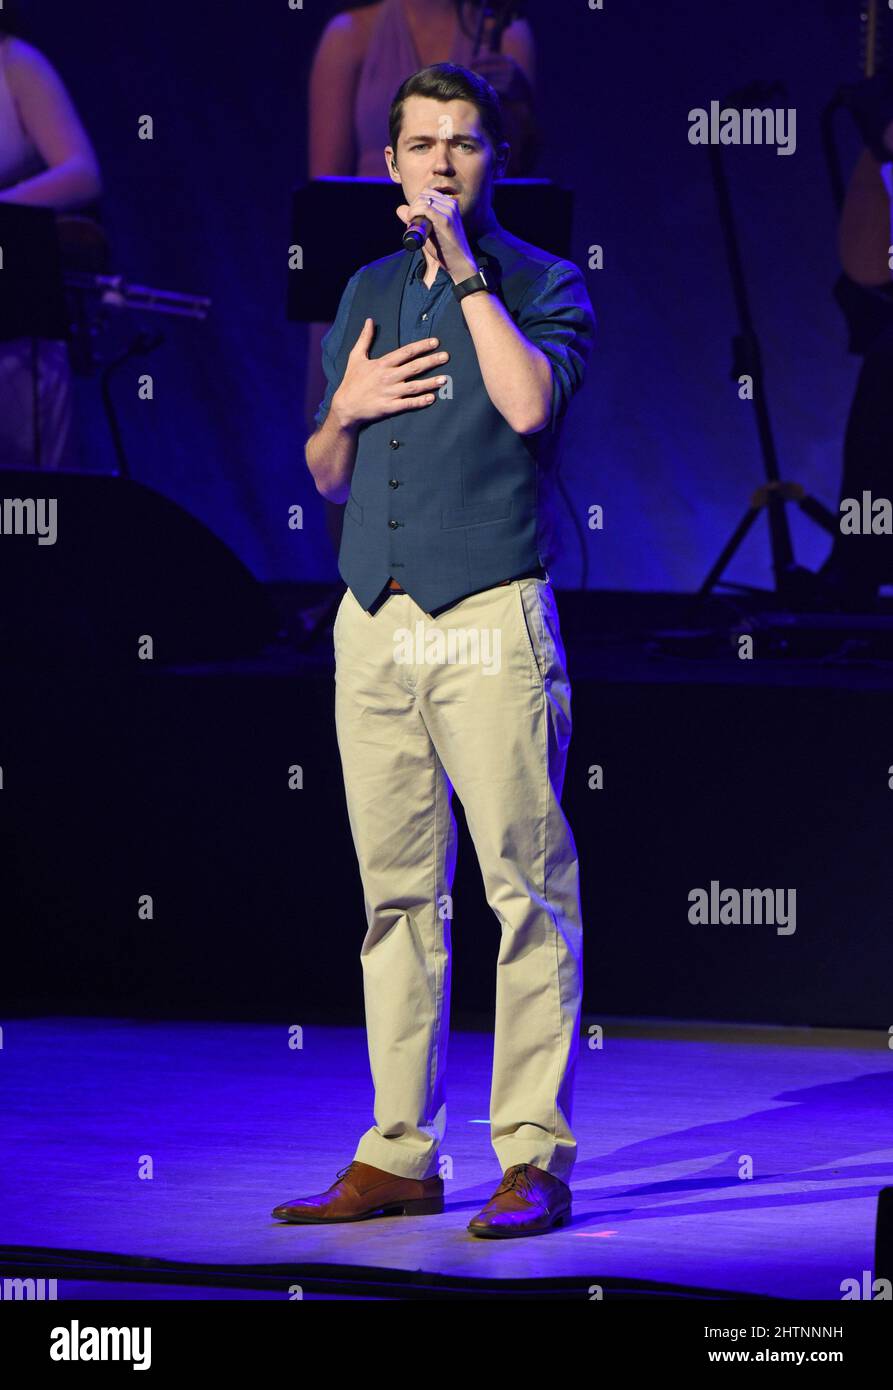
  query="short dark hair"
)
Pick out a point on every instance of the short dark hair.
point(450, 82)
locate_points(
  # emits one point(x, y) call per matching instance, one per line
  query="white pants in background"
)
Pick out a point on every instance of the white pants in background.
point(54, 396)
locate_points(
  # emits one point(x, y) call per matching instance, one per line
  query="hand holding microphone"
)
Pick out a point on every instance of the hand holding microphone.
point(419, 227)
point(417, 233)
point(434, 213)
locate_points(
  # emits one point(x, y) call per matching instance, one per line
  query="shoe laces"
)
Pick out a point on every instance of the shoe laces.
point(516, 1176)
point(342, 1174)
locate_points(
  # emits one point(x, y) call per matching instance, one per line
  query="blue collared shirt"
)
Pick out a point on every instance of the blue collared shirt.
point(556, 316)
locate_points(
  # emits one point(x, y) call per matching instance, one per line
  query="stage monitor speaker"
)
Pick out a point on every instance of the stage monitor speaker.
point(90, 564)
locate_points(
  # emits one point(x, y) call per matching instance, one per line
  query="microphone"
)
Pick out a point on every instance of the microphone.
point(417, 233)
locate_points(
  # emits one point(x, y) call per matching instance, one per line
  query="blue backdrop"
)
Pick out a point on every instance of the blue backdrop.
point(658, 437)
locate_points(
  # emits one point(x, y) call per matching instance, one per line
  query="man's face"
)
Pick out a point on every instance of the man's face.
point(442, 144)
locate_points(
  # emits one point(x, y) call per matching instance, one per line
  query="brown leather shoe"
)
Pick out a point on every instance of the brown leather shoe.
point(528, 1202)
point(360, 1191)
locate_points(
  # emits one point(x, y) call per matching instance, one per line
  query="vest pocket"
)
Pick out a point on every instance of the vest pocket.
point(354, 509)
point(498, 510)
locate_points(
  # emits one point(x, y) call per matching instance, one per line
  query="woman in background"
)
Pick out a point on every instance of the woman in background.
point(362, 57)
point(46, 160)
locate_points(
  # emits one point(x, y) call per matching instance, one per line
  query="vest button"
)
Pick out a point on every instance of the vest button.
point(394, 443)
point(393, 525)
point(392, 482)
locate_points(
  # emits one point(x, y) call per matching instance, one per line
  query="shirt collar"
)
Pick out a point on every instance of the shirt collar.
point(418, 269)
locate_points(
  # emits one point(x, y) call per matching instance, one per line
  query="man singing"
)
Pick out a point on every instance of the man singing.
point(440, 446)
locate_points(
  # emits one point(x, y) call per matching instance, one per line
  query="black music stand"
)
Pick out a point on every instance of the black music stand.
point(343, 223)
point(33, 303)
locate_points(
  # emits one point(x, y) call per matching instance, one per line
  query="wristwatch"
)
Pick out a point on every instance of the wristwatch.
point(472, 285)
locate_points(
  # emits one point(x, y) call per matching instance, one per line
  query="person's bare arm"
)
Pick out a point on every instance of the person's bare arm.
point(330, 453)
point(517, 375)
point(336, 64)
point(372, 388)
point(49, 116)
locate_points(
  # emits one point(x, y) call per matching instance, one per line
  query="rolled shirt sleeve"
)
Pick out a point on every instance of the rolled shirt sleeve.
point(331, 347)
point(556, 316)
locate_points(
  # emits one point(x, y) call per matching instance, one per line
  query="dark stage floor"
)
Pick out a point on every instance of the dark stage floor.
point(233, 1121)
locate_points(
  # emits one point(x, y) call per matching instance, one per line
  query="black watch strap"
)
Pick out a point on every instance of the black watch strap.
point(475, 282)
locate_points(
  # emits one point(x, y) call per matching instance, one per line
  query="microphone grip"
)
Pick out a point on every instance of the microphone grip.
point(416, 233)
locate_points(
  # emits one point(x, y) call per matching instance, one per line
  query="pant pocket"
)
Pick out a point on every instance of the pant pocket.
point(531, 625)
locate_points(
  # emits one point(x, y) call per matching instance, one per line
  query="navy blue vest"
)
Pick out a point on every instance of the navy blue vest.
point(446, 498)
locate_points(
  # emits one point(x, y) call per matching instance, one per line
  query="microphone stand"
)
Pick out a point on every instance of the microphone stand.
point(793, 583)
point(96, 293)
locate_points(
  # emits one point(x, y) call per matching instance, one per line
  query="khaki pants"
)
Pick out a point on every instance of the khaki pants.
point(415, 721)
